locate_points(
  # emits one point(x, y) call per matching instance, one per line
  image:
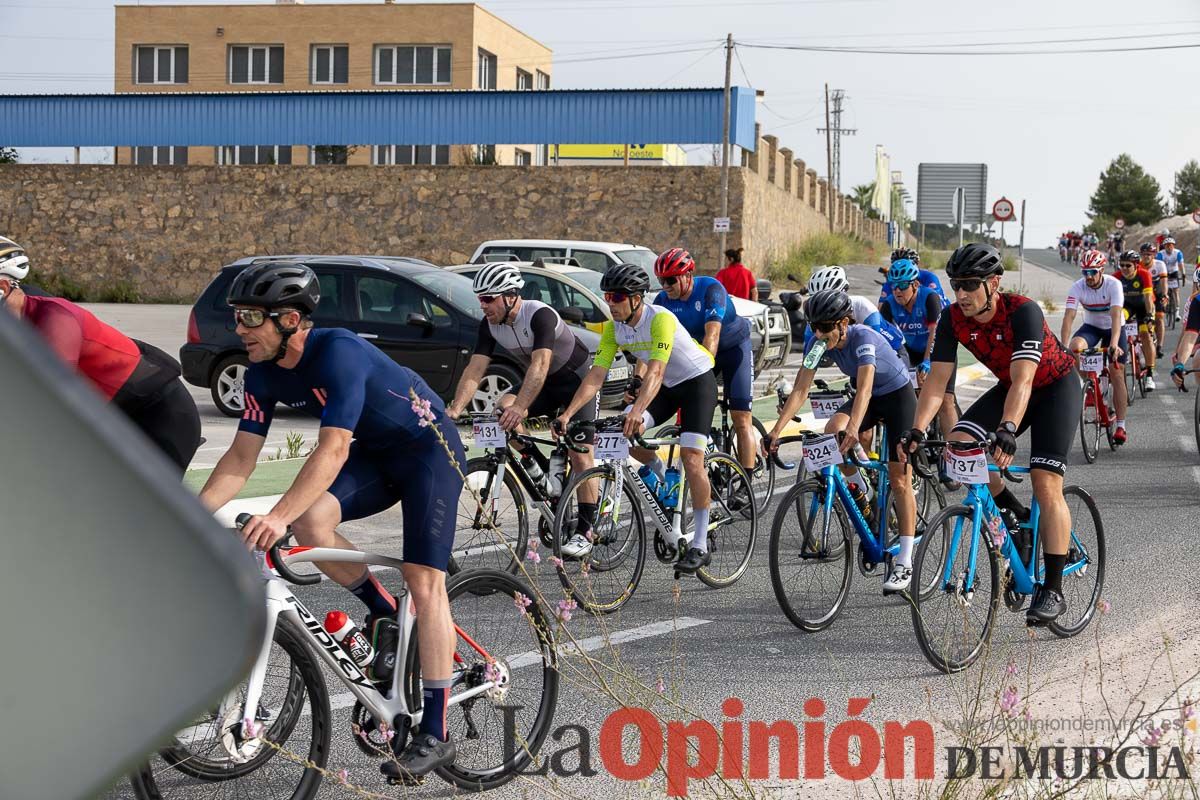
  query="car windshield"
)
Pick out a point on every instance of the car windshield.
point(644, 259)
point(455, 289)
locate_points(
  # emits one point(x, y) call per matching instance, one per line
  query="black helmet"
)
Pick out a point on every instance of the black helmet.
point(899, 253)
point(913, 256)
point(975, 260)
point(626, 278)
point(276, 284)
point(1128, 256)
point(828, 306)
point(1147, 247)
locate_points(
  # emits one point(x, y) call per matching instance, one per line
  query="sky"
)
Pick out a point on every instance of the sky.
point(1045, 123)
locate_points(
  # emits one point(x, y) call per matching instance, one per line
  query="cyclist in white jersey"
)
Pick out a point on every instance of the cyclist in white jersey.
point(1172, 259)
point(1102, 299)
point(674, 374)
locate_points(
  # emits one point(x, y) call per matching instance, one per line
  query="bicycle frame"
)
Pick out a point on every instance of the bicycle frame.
point(1096, 395)
point(666, 521)
point(835, 484)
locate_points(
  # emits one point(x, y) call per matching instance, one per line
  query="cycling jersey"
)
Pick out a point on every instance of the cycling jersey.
point(1158, 272)
point(915, 325)
point(535, 326)
point(657, 336)
point(866, 346)
point(925, 278)
point(1017, 332)
point(865, 313)
point(708, 302)
point(1097, 304)
point(1138, 290)
point(1173, 262)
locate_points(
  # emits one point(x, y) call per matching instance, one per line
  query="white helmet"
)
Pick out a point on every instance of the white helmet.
point(499, 277)
point(13, 261)
point(828, 279)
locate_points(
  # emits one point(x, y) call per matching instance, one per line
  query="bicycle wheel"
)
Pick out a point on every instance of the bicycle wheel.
point(1196, 419)
point(607, 577)
point(1089, 425)
point(810, 556)
point(492, 532)
point(762, 476)
point(732, 521)
point(499, 731)
point(1083, 576)
point(211, 758)
point(953, 620)
point(1131, 371)
point(1112, 416)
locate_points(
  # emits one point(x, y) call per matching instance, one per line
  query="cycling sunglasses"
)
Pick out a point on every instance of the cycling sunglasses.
point(487, 299)
point(1090, 273)
point(824, 327)
point(615, 297)
point(900, 286)
point(966, 284)
point(671, 281)
point(254, 317)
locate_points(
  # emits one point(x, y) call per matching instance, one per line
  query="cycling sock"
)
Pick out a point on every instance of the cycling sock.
point(1006, 499)
point(1054, 571)
point(435, 694)
point(659, 467)
point(700, 541)
point(376, 598)
point(904, 558)
point(1120, 424)
point(587, 517)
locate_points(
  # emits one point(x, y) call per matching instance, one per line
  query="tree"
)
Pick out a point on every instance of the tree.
point(8, 155)
point(1186, 193)
point(862, 195)
point(1126, 191)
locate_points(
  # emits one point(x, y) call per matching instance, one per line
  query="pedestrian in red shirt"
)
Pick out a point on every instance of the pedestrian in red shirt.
point(737, 279)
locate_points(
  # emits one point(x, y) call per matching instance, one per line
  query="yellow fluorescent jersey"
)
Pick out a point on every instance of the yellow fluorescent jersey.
point(657, 336)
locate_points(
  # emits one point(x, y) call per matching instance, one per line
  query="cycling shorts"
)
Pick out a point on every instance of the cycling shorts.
point(735, 365)
point(916, 356)
point(419, 476)
point(896, 410)
point(695, 400)
point(1100, 337)
point(556, 394)
point(1136, 308)
point(1173, 281)
point(170, 420)
point(1052, 417)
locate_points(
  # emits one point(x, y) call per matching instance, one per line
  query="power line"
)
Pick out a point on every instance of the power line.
point(915, 52)
point(1073, 40)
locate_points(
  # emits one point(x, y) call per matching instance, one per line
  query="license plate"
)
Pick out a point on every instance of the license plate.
point(775, 351)
point(618, 374)
point(821, 452)
point(612, 446)
point(967, 466)
point(825, 406)
point(488, 434)
point(1092, 363)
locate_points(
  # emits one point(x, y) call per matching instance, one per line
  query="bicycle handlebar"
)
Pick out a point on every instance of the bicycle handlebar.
point(985, 444)
point(277, 564)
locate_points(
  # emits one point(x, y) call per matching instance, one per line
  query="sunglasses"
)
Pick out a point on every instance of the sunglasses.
point(900, 286)
point(254, 317)
point(824, 327)
point(966, 284)
point(671, 281)
point(1090, 273)
point(487, 299)
point(615, 297)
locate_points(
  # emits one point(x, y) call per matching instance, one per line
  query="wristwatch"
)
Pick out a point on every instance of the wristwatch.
point(1008, 426)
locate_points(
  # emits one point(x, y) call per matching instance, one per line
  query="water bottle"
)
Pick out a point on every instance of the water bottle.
point(783, 390)
point(813, 359)
point(352, 640)
point(534, 469)
point(670, 488)
point(557, 476)
point(650, 478)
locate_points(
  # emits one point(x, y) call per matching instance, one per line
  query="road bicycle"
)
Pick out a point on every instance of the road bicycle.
point(1195, 408)
point(608, 576)
point(1135, 369)
point(270, 735)
point(1097, 413)
point(723, 439)
point(973, 559)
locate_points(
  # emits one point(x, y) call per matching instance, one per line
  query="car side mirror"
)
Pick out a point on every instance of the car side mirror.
point(572, 314)
point(419, 321)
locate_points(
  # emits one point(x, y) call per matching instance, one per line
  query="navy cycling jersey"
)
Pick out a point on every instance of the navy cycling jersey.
point(924, 278)
point(917, 324)
point(867, 346)
point(346, 383)
point(708, 302)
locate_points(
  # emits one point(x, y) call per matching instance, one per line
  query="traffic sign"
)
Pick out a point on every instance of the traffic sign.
point(1002, 210)
point(1120, 223)
point(1196, 216)
point(720, 224)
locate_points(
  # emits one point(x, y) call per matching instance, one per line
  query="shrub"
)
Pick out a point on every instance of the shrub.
point(816, 250)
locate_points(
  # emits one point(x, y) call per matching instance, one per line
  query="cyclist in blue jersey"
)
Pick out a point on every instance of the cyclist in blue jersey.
point(707, 313)
point(374, 450)
point(924, 276)
point(833, 278)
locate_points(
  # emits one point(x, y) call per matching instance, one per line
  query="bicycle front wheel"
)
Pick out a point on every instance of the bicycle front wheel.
point(762, 474)
point(492, 530)
point(1196, 419)
point(810, 556)
point(1083, 576)
point(1089, 425)
point(732, 521)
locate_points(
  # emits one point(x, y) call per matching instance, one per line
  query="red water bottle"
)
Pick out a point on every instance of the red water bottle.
point(352, 640)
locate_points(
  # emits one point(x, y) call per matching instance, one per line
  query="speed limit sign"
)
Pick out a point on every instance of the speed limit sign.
point(1120, 223)
point(1196, 216)
point(1002, 210)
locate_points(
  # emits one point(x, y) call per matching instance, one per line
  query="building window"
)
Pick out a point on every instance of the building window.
point(409, 155)
point(256, 63)
point(249, 154)
point(485, 154)
point(523, 158)
point(543, 81)
point(330, 63)
point(328, 154)
point(158, 64)
point(409, 65)
point(487, 70)
point(524, 81)
point(159, 156)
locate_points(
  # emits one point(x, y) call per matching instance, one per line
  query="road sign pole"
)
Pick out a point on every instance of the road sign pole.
point(1021, 246)
point(725, 143)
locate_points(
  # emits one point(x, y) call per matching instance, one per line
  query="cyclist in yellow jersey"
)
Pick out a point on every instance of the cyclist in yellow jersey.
point(674, 374)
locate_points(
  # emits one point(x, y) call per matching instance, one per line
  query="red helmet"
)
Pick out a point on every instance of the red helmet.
point(1093, 259)
point(675, 261)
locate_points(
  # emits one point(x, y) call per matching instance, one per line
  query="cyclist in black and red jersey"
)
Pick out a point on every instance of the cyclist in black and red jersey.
point(1039, 390)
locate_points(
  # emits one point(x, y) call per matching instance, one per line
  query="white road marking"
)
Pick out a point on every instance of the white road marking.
point(1175, 417)
point(1196, 475)
point(1168, 399)
point(1186, 444)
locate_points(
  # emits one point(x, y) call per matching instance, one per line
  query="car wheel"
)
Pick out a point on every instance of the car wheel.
point(498, 381)
point(228, 385)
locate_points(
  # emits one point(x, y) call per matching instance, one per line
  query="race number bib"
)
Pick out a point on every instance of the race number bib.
point(1091, 363)
point(488, 434)
point(612, 446)
point(825, 406)
point(912, 377)
point(966, 466)
point(1131, 332)
point(821, 452)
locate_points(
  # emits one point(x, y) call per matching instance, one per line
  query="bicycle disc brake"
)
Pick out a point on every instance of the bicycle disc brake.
point(234, 739)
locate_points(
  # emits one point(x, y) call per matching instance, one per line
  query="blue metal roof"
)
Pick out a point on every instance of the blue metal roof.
point(681, 116)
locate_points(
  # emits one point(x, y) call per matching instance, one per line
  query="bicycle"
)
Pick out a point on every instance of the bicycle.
point(501, 483)
point(1172, 308)
point(723, 439)
point(286, 691)
point(1195, 408)
point(1135, 373)
point(1097, 411)
point(960, 575)
point(608, 576)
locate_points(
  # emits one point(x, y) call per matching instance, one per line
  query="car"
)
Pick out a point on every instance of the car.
point(422, 316)
point(770, 328)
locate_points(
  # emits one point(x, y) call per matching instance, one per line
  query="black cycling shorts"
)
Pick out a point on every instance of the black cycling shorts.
point(1139, 309)
point(556, 394)
point(896, 410)
point(695, 400)
point(915, 357)
point(170, 420)
point(1052, 417)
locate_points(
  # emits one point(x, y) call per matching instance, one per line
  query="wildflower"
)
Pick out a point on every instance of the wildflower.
point(534, 556)
point(660, 686)
point(343, 776)
point(491, 672)
point(1008, 700)
point(251, 729)
point(522, 602)
point(1011, 669)
point(997, 532)
point(387, 733)
point(564, 609)
point(1104, 606)
point(556, 561)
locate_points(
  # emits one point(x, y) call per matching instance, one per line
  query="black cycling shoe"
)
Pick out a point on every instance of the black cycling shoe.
point(1047, 605)
point(693, 560)
point(424, 753)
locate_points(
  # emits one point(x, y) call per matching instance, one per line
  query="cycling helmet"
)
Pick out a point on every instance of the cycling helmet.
point(675, 261)
point(828, 278)
point(828, 306)
point(626, 278)
point(13, 261)
point(899, 253)
point(1129, 256)
point(1093, 259)
point(914, 256)
point(1148, 247)
point(975, 260)
point(1168, 241)
point(499, 277)
point(276, 284)
point(902, 271)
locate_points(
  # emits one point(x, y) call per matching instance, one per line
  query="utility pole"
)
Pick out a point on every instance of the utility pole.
point(828, 162)
point(834, 132)
point(725, 143)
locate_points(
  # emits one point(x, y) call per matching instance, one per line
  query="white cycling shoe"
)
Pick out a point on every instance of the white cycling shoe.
point(1149, 383)
point(576, 547)
point(899, 580)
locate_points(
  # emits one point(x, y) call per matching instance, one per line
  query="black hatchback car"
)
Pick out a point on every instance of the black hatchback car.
point(422, 316)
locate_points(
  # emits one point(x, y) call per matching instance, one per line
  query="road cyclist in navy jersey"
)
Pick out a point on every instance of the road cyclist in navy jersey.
point(924, 276)
point(374, 450)
point(834, 278)
point(883, 393)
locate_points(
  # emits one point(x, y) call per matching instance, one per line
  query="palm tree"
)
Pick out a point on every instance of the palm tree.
point(862, 196)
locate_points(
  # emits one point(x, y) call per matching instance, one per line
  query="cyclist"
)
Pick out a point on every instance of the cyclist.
point(136, 377)
point(1038, 390)
point(883, 394)
point(373, 450)
point(1138, 289)
point(555, 361)
point(1173, 260)
point(1186, 347)
point(1102, 299)
point(676, 377)
point(865, 313)
point(924, 276)
point(1063, 244)
point(707, 313)
point(915, 310)
point(1158, 276)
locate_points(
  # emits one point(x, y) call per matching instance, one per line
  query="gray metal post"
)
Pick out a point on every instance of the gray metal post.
point(725, 144)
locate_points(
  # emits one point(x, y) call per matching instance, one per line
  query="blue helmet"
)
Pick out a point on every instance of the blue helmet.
point(902, 271)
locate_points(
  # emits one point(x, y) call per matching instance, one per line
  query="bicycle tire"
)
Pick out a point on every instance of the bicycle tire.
point(763, 478)
point(1196, 419)
point(475, 543)
point(924, 604)
point(1109, 406)
point(1089, 454)
point(1131, 372)
point(171, 780)
point(602, 589)
point(782, 548)
point(1095, 554)
point(729, 547)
